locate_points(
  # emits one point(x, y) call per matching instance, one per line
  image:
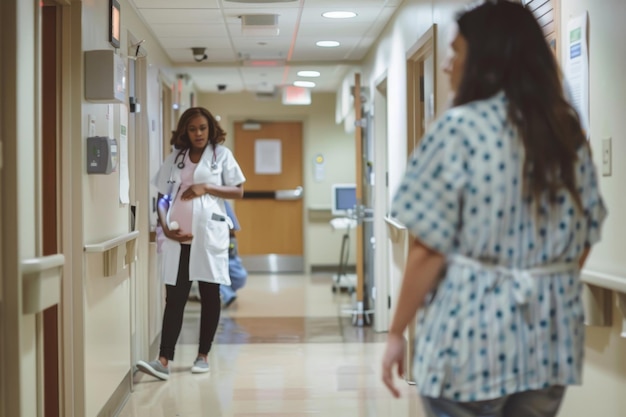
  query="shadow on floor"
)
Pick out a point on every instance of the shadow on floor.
point(243, 330)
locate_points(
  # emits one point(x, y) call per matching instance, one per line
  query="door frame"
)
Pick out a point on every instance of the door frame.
point(359, 315)
point(72, 375)
point(382, 303)
point(425, 46)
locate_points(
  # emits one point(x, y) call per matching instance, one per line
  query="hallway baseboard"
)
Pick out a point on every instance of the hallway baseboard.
point(315, 269)
point(118, 399)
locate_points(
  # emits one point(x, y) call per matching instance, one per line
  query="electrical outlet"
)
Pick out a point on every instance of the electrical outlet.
point(606, 157)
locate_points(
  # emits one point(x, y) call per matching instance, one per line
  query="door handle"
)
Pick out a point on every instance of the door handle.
point(295, 194)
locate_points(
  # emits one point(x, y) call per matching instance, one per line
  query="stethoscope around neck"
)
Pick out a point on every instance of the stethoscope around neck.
point(179, 162)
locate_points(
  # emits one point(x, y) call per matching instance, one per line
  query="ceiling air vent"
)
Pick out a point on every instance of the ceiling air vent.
point(265, 95)
point(259, 24)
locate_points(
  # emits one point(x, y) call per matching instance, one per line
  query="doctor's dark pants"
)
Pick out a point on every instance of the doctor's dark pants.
point(176, 298)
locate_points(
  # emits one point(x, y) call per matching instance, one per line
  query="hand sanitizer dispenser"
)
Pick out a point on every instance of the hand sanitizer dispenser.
point(101, 155)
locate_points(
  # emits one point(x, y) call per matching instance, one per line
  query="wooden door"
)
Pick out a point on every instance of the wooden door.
point(271, 212)
point(49, 143)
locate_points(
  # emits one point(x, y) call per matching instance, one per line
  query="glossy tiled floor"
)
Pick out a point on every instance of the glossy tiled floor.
point(283, 349)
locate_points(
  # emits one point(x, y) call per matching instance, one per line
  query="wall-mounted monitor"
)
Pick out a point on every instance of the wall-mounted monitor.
point(343, 199)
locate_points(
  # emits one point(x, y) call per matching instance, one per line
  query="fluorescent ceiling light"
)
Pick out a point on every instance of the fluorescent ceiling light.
point(307, 84)
point(327, 44)
point(339, 15)
point(308, 74)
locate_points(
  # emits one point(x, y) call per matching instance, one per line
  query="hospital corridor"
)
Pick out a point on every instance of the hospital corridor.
point(284, 348)
point(266, 153)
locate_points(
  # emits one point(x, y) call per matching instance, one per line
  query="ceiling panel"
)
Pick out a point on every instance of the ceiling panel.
point(180, 25)
point(186, 31)
point(184, 16)
point(177, 4)
point(199, 41)
point(228, 5)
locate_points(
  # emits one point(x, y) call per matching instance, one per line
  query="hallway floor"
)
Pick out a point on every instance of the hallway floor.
point(282, 349)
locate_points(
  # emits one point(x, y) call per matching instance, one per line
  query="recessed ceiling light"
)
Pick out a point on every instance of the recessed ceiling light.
point(307, 84)
point(339, 15)
point(327, 44)
point(308, 74)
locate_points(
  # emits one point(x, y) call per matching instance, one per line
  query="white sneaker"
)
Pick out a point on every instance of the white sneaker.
point(200, 366)
point(154, 368)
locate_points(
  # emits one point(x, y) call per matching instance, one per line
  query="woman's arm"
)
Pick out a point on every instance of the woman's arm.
point(163, 205)
point(421, 273)
point(230, 192)
point(422, 270)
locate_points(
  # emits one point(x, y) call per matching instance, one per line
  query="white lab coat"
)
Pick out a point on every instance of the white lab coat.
point(208, 259)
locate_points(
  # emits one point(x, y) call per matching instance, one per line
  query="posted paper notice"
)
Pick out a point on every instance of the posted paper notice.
point(577, 67)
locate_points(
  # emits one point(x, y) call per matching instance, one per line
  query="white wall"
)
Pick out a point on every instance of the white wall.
point(20, 205)
point(605, 366)
point(320, 135)
point(109, 310)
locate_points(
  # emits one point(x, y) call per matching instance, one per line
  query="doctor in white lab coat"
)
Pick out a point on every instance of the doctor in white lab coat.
point(193, 182)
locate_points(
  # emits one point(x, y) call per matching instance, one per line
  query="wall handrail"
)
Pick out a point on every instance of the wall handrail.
point(110, 249)
point(42, 263)
point(41, 282)
point(111, 243)
point(610, 282)
point(394, 223)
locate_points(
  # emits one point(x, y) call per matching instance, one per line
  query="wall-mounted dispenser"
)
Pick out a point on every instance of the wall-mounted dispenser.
point(105, 77)
point(101, 155)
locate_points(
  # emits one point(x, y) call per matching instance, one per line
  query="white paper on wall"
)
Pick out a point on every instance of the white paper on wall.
point(577, 67)
point(267, 156)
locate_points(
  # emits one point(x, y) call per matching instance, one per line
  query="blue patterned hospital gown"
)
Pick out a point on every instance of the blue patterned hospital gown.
point(506, 315)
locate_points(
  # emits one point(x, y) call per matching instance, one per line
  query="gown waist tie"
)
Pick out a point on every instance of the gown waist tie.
point(524, 287)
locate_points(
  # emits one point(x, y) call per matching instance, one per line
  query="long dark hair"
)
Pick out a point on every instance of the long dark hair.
point(181, 140)
point(507, 52)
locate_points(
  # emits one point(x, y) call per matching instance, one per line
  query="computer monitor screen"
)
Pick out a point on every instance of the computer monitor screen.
point(343, 198)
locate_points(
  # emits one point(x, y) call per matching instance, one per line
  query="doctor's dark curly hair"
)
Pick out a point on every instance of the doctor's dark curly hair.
point(181, 140)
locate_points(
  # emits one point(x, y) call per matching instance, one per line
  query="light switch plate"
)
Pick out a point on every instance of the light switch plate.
point(606, 157)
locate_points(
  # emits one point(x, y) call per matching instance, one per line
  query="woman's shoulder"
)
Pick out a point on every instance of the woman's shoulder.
point(223, 151)
point(477, 109)
point(466, 119)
